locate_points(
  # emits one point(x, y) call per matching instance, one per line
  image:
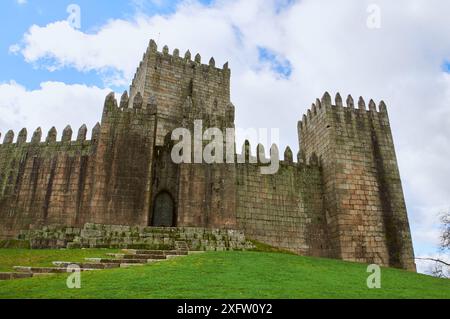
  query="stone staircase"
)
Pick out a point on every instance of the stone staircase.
point(127, 258)
point(140, 245)
point(181, 245)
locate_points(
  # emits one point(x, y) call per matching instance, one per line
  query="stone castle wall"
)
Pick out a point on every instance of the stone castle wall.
point(124, 158)
point(284, 210)
point(207, 195)
point(104, 180)
point(45, 182)
point(364, 201)
point(342, 198)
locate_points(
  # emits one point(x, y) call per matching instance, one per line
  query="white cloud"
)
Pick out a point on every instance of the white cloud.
point(21, 2)
point(329, 47)
point(14, 49)
point(102, 51)
point(53, 104)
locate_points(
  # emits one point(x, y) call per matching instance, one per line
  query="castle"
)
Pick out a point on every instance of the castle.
point(341, 198)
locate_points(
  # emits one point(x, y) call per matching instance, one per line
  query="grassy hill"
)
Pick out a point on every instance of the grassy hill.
point(218, 275)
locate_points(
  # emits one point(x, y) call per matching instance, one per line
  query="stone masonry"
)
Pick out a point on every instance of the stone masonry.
point(340, 198)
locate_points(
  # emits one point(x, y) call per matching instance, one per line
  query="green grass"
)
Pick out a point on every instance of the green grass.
point(44, 257)
point(227, 275)
point(261, 247)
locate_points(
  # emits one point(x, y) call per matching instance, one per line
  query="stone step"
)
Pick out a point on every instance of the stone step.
point(130, 265)
point(181, 245)
point(64, 264)
point(45, 270)
point(42, 274)
point(14, 275)
point(174, 256)
point(116, 261)
point(137, 256)
point(153, 252)
point(191, 252)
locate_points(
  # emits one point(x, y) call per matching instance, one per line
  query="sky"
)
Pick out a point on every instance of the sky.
point(283, 55)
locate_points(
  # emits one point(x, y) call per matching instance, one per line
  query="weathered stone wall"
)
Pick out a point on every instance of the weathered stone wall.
point(283, 210)
point(364, 201)
point(45, 182)
point(105, 180)
point(207, 195)
point(134, 237)
point(122, 190)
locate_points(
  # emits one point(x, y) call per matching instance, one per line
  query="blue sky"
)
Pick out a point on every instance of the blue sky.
point(446, 66)
point(283, 55)
point(17, 18)
point(278, 64)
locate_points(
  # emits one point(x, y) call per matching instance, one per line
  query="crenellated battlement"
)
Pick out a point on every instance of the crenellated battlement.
point(155, 60)
point(176, 59)
point(260, 159)
point(325, 105)
point(134, 106)
point(171, 80)
point(52, 136)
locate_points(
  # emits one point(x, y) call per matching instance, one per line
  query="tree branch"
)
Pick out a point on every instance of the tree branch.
point(435, 260)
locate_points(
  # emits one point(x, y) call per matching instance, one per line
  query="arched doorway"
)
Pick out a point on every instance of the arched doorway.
point(163, 211)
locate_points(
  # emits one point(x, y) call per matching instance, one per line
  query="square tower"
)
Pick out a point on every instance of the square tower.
point(182, 89)
point(365, 207)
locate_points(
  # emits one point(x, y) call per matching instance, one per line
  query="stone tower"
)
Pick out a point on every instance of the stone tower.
point(137, 177)
point(364, 204)
point(181, 87)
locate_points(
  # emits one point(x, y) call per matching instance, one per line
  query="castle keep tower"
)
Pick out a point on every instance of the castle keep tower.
point(167, 92)
point(183, 87)
point(340, 197)
point(363, 196)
